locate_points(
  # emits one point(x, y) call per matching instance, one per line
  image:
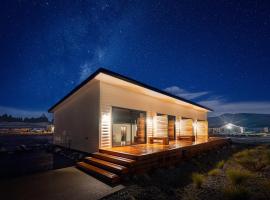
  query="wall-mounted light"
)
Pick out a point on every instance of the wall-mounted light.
point(106, 118)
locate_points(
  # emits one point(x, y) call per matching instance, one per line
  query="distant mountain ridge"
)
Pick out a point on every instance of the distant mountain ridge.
point(248, 120)
point(24, 124)
point(10, 118)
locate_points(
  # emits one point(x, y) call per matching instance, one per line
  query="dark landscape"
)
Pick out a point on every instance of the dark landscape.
point(237, 172)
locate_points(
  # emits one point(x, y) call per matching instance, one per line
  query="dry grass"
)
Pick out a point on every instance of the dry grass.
point(214, 172)
point(198, 179)
point(254, 159)
point(220, 164)
point(238, 177)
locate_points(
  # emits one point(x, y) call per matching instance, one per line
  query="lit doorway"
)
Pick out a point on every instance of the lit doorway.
point(128, 127)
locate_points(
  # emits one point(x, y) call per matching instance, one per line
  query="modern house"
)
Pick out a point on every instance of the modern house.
point(110, 110)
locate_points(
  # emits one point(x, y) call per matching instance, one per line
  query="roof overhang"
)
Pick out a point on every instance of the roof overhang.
point(113, 78)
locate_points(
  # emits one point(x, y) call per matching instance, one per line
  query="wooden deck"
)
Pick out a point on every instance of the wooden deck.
point(140, 151)
point(144, 157)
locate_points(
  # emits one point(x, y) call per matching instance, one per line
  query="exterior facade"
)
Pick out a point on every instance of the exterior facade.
point(109, 110)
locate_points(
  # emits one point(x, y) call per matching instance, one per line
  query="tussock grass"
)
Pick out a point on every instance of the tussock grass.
point(238, 177)
point(198, 179)
point(214, 172)
point(254, 159)
point(236, 193)
point(220, 164)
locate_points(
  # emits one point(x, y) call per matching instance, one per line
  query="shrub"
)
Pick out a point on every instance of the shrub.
point(254, 159)
point(214, 172)
point(198, 179)
point(238, 177)
point(220, 164)
point(236, 193)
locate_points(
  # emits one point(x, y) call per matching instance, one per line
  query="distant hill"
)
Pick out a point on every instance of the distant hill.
point(248, 120)
point(23, 124)
point(9, 121)
point(10, 118)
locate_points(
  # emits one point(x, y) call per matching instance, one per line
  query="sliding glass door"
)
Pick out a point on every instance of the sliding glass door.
point(128, 127)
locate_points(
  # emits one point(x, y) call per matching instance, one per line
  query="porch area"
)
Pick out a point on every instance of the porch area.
point(140, 151)
point(113, 164)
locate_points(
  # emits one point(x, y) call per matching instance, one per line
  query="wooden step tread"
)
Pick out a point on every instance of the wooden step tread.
point(119, 154)
point(114, 159)
point(113, 178)
point(107, 165)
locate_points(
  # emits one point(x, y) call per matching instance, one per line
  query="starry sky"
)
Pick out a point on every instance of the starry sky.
point(212, 52)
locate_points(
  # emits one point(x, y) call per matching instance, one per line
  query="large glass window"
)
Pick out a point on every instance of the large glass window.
point(129, 127)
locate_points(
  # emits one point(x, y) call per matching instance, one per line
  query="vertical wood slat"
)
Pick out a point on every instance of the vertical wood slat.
point(171, 128)
point(105, 135)
point(202, 129)
point(140, 130)
point(149, 124)
point(186, 127)
point(177, 126)
point(161, 126)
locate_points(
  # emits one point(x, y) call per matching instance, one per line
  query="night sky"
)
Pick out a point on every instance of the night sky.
point(216, 53)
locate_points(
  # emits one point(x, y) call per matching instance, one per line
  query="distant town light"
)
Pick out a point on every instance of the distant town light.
point(229, 126)
point(52, 129)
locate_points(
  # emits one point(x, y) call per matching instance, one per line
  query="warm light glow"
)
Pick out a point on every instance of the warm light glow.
point(105, 130)
point(149, 120)
point(229, 126)
point(105, 118)
point(195, 125)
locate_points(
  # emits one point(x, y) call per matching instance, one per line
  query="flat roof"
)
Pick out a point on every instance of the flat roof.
point(124, 78)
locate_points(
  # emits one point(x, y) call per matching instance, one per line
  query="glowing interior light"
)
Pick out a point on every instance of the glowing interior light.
point(229, 126)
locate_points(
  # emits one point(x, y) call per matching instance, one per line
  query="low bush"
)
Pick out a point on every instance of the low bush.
point(214, 172)
point(198, 179)
point(220, 164)
point(254, 159)
point(238, 177)
point(236, 193)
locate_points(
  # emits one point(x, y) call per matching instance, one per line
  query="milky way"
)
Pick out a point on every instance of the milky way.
point(213, 52)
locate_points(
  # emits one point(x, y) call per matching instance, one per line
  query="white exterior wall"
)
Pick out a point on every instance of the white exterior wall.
point(111, 95)
point(77, 120)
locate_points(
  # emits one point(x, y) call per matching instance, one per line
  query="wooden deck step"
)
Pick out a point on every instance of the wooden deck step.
point(114, 159)
point(98, 172)
point(119, 154)
point(118, 169)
